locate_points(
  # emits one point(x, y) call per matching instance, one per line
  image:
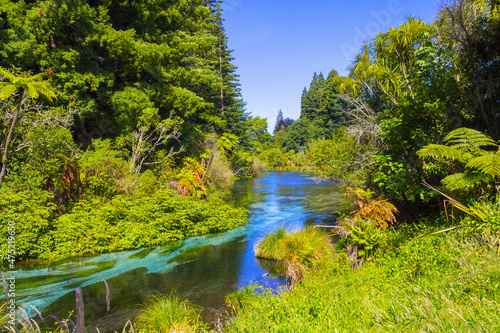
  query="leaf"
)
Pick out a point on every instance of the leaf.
point(8, 75)
point(441, 151)
point(434, 233)
point(467, 138)
point(488, 163)
point(7, 90)
point(463, 181)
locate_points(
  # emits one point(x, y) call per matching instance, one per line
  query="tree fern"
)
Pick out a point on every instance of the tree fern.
point(464, 145)
point(488, 163)
point(441, 151)
point(469, 139)
point(463, 181)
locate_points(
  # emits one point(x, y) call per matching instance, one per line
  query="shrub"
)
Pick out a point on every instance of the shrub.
point(125, 223)
point(31, 213)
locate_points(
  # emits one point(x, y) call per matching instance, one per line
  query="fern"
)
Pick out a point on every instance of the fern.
point(469, 139)
point(442, 151)
point(463, 181)
point(488, 163)
point(463, 145)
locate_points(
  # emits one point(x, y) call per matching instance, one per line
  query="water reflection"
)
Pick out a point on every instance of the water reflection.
point(203, 269)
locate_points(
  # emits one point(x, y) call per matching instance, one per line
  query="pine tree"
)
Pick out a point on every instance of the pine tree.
point(333, 108)
point(303, 103)
point(228, 99)
point(312, 102)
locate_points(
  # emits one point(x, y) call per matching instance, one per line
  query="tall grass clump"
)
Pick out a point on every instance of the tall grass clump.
point(169, 313)
point(296, 251)
point(270, 247)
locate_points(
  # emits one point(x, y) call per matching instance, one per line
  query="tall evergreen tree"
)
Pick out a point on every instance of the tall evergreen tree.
point(227, 97)
point(312, 102)
point(303, 103)
point(333, 108)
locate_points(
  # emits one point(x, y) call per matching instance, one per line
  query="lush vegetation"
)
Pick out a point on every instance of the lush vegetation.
point(440, 283)
point(295, 252)
point(415, 123)
point(121, 123)
point(169, 314)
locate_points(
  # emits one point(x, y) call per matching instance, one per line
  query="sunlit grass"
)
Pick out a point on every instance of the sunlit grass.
point(443, 283)
point(295, 251)
point(169, 313)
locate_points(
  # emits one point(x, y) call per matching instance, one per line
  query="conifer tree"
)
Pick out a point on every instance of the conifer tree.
point(312, 102)
point(333, 107)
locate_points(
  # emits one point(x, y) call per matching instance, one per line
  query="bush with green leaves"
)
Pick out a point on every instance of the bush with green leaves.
point(125, 223)
point(341, 158)
point(31, 214)
point(96, 225)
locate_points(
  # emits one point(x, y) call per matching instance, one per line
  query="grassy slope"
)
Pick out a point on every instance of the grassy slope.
point(437, 284)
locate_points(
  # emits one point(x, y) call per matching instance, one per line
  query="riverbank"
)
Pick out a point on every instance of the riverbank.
point(103, 226)
point(441, 283)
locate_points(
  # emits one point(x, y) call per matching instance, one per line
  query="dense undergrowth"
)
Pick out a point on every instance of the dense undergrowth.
point(98, 225)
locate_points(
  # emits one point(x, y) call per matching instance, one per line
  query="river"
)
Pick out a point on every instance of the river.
point(203, 269)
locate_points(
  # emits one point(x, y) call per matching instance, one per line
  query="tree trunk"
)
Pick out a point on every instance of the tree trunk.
point(5, 155)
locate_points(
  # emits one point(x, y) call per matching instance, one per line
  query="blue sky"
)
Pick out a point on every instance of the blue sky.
point(278, 45)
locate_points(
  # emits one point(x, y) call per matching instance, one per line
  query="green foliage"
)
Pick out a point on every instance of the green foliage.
point(443, 283)
point(102, 169)
point(365, 239)
point(31, 214)
point(124, 223)
point(464, 146)
point(294, 251)
point(96, 226)
point(311, 99)
point(169, 314)
point(341, 158)
point(364, 230)
point(277, 158)
point(398, 179)
point(298, 134)
point(484, 218)
point(32, 85)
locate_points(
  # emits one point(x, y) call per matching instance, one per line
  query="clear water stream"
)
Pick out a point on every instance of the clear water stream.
point(203, 269)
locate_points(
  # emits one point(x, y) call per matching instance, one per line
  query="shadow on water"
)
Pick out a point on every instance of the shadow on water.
point(203, 269)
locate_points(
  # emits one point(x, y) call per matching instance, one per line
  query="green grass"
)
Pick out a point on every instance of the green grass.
point(295, 251)
point(270, 247)
point(169, 314)
point(445, 283)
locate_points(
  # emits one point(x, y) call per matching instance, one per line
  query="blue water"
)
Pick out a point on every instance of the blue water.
point(203, 269)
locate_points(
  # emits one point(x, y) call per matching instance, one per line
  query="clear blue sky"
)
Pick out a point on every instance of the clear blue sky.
point(278, 44)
